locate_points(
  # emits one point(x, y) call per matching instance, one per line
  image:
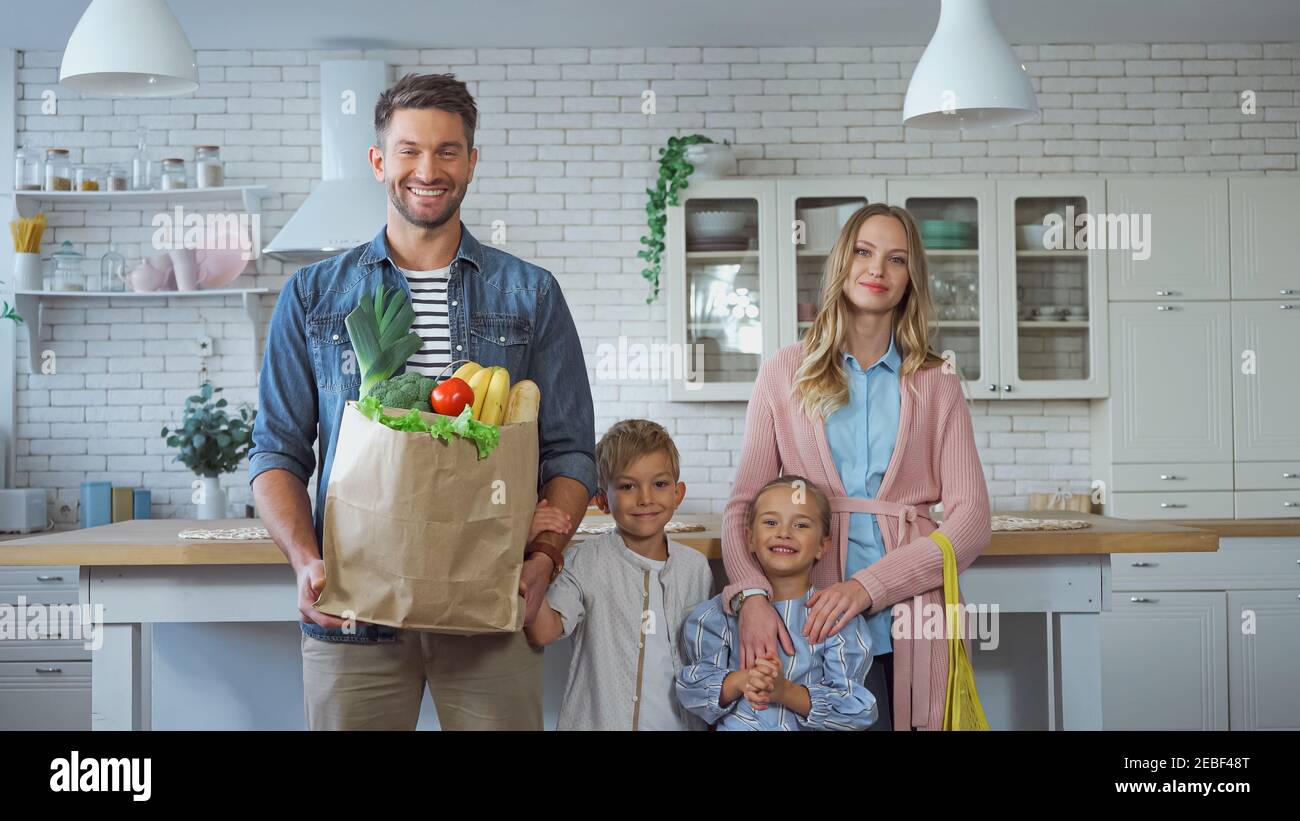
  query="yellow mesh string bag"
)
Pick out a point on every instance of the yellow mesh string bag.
point(961, 708)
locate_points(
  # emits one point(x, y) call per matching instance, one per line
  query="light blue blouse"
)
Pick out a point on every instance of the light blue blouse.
point(861, 436)
point(834, 672)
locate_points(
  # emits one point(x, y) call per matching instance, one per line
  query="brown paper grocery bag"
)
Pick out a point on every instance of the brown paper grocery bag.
point(420, 533)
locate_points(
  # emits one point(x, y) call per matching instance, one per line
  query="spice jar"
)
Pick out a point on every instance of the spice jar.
point(68, 275)
point(173, 174)
point(86, 178)
point(28, 172)
point(117, 178)
point(208, 170)
point(58, 170)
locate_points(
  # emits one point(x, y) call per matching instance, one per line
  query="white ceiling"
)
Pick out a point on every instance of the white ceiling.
point(308, 24)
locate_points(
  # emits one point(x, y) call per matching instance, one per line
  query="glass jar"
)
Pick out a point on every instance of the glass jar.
point(117, 178)
point(86, 178)
point(68, 274)
point(140, 171)
point(28, 173)
point(173, 174)
point(112, 271)
point(208, 169)
point(58, 170)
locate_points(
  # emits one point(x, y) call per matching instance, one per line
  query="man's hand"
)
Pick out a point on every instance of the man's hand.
point(534, 579)
point(548, 518)
point(311, 581)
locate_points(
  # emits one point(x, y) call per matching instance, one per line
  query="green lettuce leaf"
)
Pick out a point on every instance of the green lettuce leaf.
point(485, 437)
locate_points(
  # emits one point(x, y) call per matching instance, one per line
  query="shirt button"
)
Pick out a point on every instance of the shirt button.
point(453, 303)
point(336, 337)
point(458, 347)
point(501, 339)
point(634, 698)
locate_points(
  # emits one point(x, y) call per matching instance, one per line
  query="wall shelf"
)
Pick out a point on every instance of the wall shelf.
point(31, 305)
point(247, 197)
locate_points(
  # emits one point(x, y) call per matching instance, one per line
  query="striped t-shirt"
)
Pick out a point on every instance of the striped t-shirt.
point(429, 300)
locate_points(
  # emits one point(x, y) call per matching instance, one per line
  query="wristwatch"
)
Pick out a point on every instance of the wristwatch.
point(555, 554)
point(739, 599)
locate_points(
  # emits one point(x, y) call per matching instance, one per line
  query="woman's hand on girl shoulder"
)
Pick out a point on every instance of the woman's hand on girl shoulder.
point(831, 608)
point(761, 629)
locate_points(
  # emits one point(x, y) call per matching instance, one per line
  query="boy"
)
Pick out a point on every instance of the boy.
point(623, 596)
point(821, 686)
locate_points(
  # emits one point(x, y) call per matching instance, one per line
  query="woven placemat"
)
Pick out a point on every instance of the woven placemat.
point(671, 527)
point(233, 534)
point(1027, 523)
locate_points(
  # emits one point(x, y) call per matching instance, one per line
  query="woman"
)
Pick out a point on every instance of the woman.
point(867, 411)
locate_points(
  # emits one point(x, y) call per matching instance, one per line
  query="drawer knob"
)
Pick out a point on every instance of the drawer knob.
point(1166, 293)
point(1287, 307)
point(49, 669)
point(1148, 564)
point(1287, 291)
point(1289, 504)
point(1172, 504)
point(1288, 475)
point(1167, 476)
point(1164, 307)
point(1141, 600)
point(49, 578)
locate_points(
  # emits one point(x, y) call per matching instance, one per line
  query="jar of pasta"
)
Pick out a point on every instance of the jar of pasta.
point(58, 170)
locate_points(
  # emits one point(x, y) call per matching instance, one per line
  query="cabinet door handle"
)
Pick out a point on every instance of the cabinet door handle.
point(49, 578)
point(1006, 389)
point(1164, 307)
point(1141, 600)
point(1150, 564)
point(1172, 504)
point(1286, 306)
point(1167, 476)
point(1289, 504)
point(1288, 475)
point(49, 669)
point(1166, 293)
point(1287, 291)
point(992, 387)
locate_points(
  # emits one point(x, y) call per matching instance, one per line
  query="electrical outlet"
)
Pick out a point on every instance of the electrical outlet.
point(204, 346)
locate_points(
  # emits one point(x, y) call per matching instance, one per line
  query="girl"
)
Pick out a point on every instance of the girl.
point(868, 411)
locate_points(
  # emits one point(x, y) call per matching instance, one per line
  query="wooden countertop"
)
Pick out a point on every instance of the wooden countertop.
point(1244, 527)
point(154, 541)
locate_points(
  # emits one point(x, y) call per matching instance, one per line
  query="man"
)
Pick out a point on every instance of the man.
point(472, 302)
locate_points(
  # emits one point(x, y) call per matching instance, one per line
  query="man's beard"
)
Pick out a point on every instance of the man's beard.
point(454, 196)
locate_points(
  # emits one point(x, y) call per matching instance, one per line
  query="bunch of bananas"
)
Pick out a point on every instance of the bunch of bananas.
point(495, 401)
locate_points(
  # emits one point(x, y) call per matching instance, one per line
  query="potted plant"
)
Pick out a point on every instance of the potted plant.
point(211, 443)
point(674, 169)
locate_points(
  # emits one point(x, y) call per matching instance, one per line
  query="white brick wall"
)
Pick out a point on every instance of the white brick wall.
point(565, 158)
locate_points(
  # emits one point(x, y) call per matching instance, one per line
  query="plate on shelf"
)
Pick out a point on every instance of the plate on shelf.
point(718, 244)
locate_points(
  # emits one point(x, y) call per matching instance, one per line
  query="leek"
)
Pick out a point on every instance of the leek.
point(382, 338)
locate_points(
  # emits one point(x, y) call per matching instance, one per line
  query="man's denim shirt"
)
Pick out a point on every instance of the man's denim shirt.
point(501, 311)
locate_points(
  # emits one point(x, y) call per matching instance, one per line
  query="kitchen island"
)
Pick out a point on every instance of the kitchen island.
point(141, 574)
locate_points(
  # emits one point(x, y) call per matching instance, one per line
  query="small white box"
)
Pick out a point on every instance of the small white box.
point(22, 510)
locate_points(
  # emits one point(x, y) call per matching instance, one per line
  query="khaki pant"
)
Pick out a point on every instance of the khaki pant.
point(490, 682)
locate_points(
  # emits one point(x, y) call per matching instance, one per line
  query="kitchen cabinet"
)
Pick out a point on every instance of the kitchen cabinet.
point(1266, 381)
point(1164, 661)
point(1052, 274)
point(44, 681)
point(1264, 659)
point(810, 214)
point(1265, 243)
point(958, 224)
point(1184, 254)
point(723, 309)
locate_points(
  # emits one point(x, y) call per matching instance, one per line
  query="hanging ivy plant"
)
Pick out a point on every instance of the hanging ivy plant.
point(673, 173)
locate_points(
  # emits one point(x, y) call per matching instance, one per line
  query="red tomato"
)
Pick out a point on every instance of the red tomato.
point(451, 397)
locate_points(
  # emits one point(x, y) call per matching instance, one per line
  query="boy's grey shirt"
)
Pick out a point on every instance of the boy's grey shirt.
point(601, 595)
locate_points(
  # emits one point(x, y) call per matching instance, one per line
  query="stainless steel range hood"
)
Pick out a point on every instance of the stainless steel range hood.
point(348, 206)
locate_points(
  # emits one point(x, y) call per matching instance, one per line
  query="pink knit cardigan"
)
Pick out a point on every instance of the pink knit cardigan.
point(934, 460)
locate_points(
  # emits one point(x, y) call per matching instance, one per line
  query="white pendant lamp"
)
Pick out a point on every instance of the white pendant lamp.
point(129, 48)
point(968, 76)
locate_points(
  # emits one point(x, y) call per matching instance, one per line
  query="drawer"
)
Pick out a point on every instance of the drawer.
point(45, 695)
point(1268, 504)
point(1237, 564)
point(1268, 476)
point(39, 584)
point(1172, 505)
point(1174, 476)
point(66, 649)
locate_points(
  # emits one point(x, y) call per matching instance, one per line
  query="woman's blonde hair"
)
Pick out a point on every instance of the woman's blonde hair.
point(819, 383)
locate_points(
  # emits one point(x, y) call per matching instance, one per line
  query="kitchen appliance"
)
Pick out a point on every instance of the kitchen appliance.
point(348, 207)
point(22, 510)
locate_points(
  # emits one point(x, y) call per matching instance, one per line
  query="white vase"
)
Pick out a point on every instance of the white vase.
point(711, 160)
point(186, 268)
point(211, 499)
point(27, 272)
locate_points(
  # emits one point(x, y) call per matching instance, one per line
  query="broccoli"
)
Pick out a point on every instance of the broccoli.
point(410, 391)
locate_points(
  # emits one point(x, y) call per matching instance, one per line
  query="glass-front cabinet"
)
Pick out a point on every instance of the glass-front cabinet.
point(1053, 272)
point(958, 224)
point(721, 270)
point(810, 214)
point(1017, 288)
